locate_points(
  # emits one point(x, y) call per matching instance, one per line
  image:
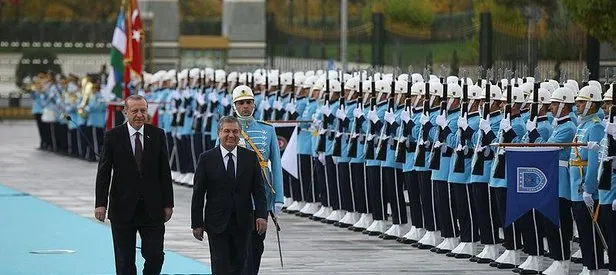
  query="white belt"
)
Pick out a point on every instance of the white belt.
point(563, 163)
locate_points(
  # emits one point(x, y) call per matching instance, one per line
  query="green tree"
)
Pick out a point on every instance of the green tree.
point(596, 16)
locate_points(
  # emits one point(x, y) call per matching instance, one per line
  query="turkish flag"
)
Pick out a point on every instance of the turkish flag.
point(133, 59)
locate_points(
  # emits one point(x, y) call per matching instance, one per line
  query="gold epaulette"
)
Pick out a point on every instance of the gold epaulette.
point(578, 163)
point(595, 119)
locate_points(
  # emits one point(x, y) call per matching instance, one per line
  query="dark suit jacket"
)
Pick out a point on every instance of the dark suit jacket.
point(226, 196)
point(153, 183)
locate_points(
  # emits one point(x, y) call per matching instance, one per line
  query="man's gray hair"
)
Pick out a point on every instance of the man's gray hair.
point(227, 119)
point(134, 97)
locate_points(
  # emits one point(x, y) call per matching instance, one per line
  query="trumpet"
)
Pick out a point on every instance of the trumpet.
point(85, 99)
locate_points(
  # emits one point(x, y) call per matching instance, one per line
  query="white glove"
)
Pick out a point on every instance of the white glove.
point(614, 205)
point(290, 108)
point(588, 199)
point(593, 146)
point(460, 147)
point(505, 124)
point(213, 97)
point(437, 144)
point(178, 135)
point(390, 117)
point(278, 105)
point(335, 160)
point(266, 105)
point(479, 148)
point(372, 116)
point(341, 114)
point(277, 208)
point(531, 125)
point(484, 125)
point(325, 110)
point(201, 99)
point(405, 116)
point(225, 101)
point(182, 110)
point(441, 120)
point(322, 158)
point(424, 119)
point(610, 129)
point(463, 122)
point(357, 112)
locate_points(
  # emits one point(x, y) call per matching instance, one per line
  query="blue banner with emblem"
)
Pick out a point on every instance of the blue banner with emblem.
point(532, 182)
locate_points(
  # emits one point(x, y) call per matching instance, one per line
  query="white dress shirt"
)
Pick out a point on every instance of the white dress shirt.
point(225, 158)
point(131, 136)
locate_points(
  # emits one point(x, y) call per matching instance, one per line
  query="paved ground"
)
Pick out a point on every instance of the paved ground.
point(308, 247)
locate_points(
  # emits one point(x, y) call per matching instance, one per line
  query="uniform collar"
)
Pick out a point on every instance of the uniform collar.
point(542, 118)
point(245, 122)
point(563, 120)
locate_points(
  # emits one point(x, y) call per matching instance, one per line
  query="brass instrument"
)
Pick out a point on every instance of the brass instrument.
point(86, 94)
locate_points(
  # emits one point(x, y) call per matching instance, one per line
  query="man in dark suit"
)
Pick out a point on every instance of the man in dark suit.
point(229, 178)
point(141, 195)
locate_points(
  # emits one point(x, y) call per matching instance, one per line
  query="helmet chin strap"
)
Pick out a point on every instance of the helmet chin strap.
point(586, 108)
point(242, 118)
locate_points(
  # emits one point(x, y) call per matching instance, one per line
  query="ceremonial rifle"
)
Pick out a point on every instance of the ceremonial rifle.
point(435, 156)
point(387, 131)
point(424, 130)
point(404, 137)
point(369, 147)
point(278, 113)
point(499, 172)
point(292, 99)
point(463, 135)
point(341, 124)
point(484, 139)
point(201, 108)
point(357, 122)
point(324, 120)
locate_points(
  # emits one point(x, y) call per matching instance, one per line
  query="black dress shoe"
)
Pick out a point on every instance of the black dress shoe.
point(516, 270)
point(463, 256)
point(451, 254)
point(424, 246)
point(576, 260)
point(484, 261)
point(344, 225)
point(528, 271)
point(505, 266)
point(473, 259)
point(389, 237)
point(416, 244)
point(493, 264)
point(374, 233)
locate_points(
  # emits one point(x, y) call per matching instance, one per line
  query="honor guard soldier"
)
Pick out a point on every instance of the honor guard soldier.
point(511, 130)
point(391, 170)
point(293, 109)
point(329, 111)
point(484, 196)
point(261, 138)
point(306, 150)
point(538, 130)
point(427, 137)
point(559, 237)
point(359, 179)
point(412, 115)
point(460, 171)
point(345, 175)
point(444, 145)
point(583, 168)
point(374, 173)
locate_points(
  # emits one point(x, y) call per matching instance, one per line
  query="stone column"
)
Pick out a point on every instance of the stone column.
point(162, 44)
point(243, 23)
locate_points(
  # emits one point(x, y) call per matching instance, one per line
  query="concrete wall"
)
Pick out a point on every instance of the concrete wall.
point(243, 23)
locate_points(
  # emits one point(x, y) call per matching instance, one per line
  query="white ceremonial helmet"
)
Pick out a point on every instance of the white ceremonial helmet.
point(352, 84)
point(563, 96)
point(589, 93)
point(416, 78)
point(609, 94)
point(242, 92)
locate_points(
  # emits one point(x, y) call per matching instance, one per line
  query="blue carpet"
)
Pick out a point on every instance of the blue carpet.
point(32, 225)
